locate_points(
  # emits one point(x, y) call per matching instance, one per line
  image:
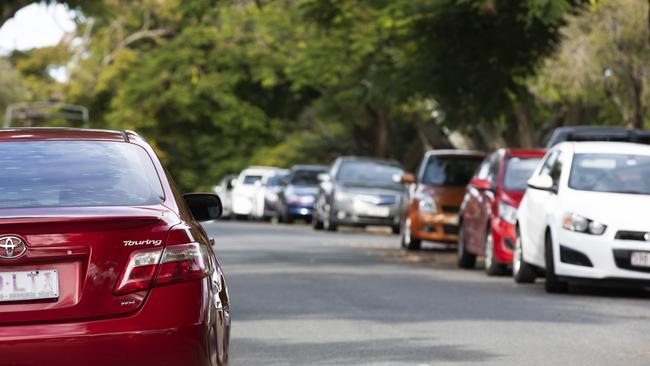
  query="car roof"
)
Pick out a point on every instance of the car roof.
point(370, 159)
point(258, 170)
point(62, 134)
point(454, 152)
point(604, 147)
point(521, 153)
point(596, 133)
point(308, 167)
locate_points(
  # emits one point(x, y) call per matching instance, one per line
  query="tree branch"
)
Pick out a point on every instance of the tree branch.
point(153, 34)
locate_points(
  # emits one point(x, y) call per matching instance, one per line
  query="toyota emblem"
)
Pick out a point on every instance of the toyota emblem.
point(12, 247)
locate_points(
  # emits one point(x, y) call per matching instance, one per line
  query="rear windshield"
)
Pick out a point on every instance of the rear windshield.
point(76, 174)
point(518, 171)
point(305, 177)
point(450, 170)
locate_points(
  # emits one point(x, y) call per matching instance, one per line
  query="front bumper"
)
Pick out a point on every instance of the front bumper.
point(172, 328)
point(353, 213)
point(503, 234)
point(439, 227)
point(602, 253)
point(300, 210)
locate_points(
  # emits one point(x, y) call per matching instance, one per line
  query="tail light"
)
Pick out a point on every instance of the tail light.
point(176, 263)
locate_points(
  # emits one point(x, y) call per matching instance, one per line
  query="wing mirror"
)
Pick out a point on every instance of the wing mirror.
point(543, 182)
point(482, 184)
point(407, 178)
point(204, 206)
point(323, 177)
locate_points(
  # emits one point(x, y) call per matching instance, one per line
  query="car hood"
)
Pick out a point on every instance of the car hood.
point(371, 188)
point(624, 211)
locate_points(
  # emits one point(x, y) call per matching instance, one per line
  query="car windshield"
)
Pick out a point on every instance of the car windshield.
point(517, 173)
point(450, 170)
point(76, 174)
point(251, 179)
point(613, 173)
point(368, 172)
point(305, 177)
point(274, 180)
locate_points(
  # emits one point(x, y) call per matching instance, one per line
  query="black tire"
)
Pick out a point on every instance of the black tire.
point(396, 229)
point(465, 259)
point(492, 267)
point(407, 240)
point(553, 284)
point(522, 272)
point(328, 223)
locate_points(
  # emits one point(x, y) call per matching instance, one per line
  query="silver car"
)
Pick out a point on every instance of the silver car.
point(359, 191)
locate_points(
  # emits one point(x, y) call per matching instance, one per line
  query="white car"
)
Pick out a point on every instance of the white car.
point(224, 190)
point(267, 191)
point(245, 188)
point(585, 216)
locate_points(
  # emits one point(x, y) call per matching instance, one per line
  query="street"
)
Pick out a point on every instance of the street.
point(301, 297)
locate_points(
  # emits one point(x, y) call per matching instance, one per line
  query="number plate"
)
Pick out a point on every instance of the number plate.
point(29, 285)
point(378, 211)
point(640, 259)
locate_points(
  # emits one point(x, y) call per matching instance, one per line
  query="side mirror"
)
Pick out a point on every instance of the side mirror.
point(407, 178)
point(323, 177)
point(204, 206)
point(543, 182)
point(482, 184)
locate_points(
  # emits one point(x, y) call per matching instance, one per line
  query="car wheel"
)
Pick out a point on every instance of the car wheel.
point(407, 240)
point(552, 284)
point(327, 219)
point(492, 267)
point(522, 272)
point(465, 259)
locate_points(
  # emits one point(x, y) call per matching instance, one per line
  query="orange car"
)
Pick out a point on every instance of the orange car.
point(435, 196)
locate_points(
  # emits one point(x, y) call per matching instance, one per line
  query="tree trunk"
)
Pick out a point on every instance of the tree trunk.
point(524, 125)
point(379, 128)
point(639, 110)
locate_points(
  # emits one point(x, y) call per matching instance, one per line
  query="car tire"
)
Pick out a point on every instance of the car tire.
point(407, 240)
point(522, 272)
point(465, 259)
point(327, 220)
point(553, 284)
point(492, 267)
point(396, 229)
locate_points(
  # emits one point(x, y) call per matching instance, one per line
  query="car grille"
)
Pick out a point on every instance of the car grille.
point(450, 229)
point(450, 209)
point(633, 235)
point(381, 200)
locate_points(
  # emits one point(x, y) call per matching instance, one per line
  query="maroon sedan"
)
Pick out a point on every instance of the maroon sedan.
point(102, 261)
point(489, 208)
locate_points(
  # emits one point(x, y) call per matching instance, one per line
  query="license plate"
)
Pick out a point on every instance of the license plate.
point(640, 259)
point(29, 285)
point(378, 211)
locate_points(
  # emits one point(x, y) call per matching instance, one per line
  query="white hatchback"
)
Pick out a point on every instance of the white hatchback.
point(586, 216)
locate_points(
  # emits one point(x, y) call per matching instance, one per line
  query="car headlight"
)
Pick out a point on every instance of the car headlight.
point(581, 224)
point(342, 196)
point(426, 203)
point(507, 213)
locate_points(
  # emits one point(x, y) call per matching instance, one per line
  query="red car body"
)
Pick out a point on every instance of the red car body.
point(137, 285)
point(487, 193)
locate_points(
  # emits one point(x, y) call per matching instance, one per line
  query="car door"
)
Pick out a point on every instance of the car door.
point(476, 209)
point(539, 201)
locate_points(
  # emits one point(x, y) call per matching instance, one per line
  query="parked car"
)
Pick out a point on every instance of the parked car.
point(267, 200)
point(298, 194)
point(489, 209)
point(246, 186)
point(358, 191)
point(585, 216)
point(224, 191)
point(107, 262)
point(597, 133)
point(435, 196)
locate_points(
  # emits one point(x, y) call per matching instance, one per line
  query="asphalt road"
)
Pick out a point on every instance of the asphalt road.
point(301, 297)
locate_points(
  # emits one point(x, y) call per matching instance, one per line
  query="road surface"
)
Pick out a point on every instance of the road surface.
point(301, 297)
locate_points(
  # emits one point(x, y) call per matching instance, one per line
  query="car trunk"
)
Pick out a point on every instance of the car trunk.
point(84, 250)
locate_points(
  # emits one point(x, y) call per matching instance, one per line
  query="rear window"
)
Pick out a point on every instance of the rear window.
point(517, 173)
point(450, 170)
point(76, 174)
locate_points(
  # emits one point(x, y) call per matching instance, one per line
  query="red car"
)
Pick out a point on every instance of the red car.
point(102, 261)
point(489, 208)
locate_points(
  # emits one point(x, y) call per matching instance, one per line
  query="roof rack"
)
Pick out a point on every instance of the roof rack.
point(30, 111)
